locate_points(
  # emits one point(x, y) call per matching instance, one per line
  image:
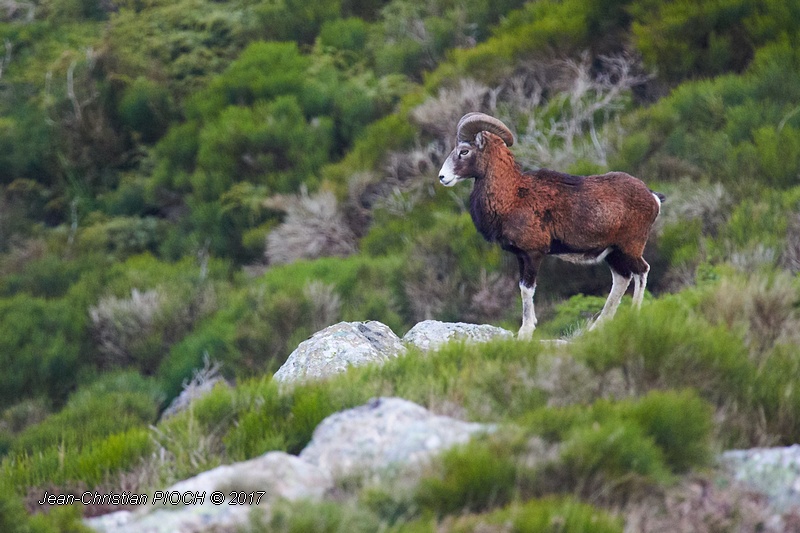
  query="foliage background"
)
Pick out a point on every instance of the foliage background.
point(195, 180)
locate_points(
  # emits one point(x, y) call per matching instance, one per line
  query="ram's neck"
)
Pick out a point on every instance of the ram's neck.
point(494, 193)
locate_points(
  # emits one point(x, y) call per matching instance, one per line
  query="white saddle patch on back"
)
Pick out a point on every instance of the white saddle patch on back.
point(584, 259)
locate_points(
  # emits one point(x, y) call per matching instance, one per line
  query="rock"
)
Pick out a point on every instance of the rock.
point(336, 348)
point(432, 334)
point(385, 434)
point(279, 475)
point(773, 472)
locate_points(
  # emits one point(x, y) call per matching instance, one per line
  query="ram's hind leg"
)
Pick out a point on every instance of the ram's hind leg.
point(621, 274)
point(619, 285)
point(639, 284)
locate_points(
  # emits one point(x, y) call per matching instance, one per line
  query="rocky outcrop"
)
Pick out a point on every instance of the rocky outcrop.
point(277, 474)
point(773, 472)
point(387, 435)
point(432, 334)
point(336, 348)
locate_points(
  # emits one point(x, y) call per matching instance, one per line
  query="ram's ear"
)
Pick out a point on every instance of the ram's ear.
point(480, 140)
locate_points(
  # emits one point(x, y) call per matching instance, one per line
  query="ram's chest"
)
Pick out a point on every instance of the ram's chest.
point(485, 214)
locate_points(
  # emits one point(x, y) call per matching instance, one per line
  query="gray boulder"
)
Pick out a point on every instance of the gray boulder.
point(773, 472)
point(279, 475)
point(432, 334)
point(385, 435)
point(336, 348)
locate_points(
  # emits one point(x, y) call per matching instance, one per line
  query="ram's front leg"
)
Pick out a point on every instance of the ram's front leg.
point(528, 269)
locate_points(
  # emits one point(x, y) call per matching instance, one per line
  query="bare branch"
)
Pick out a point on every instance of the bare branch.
point(4, 62)
point(585, 101)
point(13, 8)
point(71, 91)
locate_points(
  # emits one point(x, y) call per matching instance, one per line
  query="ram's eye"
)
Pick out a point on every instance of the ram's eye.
point(463, 153)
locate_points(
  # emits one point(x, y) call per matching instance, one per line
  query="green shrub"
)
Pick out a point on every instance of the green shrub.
point(294, 20)
point(680, 424)
point(758, 221)
point(323, 517)
point(667, 345)
point(734, 130)
point(546, 515)
point(611, 458)
point(39, 364)
point(440, 268)
point(270, 143)
point(146, 109)
point(94, 464)
point(121, 236)
point(706, 39)
point(777, 397)
point(47, 277)
point(474, 477)
point(680, 242)
point(671, 429)
point(213, 339)
point(500, 390)
point(287, 422)
point(113, 404)
point(14, 519)
point(349, 34)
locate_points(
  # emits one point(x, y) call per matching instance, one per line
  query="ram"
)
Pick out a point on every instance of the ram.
point(581, 219)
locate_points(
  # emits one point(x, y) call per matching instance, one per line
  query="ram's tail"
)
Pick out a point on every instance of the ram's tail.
point(660, 197)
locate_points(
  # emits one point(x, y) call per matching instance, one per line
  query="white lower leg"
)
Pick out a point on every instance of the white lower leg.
point(528, 314)
point(619, 284)
point(638, 292)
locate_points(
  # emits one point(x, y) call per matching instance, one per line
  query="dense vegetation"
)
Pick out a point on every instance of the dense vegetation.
point(190, 180)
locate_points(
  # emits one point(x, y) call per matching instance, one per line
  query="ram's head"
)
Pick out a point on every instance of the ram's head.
point(464, 161)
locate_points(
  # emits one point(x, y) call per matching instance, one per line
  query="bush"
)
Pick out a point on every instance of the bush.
point(137, 331)
point(473, 478)
point(732, 129)
point(146, 109)
point(546, 515)
point(46, 277)
point(121, 236)
point(94, 464)
point(680, 424)
point(610, 450)
point(667, 345)
point(761, 306)
point(693, 40)
point(439, 272)
point(38, 364)
point(113, 404)
point(270, 143)
point(611, 459)
point(324, 517)
point(346, 35)
point(313, 228)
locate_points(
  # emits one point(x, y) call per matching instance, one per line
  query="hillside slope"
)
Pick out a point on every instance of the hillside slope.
point(189, 181)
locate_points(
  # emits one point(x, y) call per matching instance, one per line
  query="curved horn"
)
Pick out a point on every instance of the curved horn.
point(473, 123)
